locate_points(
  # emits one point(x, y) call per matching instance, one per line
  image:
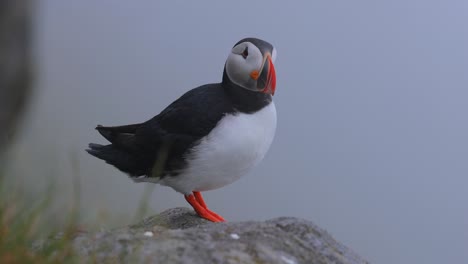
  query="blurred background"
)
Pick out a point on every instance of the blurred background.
point(372, 108)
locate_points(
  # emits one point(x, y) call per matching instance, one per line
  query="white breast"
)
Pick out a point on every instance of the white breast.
point(233, 147)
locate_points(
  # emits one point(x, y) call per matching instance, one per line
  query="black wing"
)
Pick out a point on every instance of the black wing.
point(158, 146)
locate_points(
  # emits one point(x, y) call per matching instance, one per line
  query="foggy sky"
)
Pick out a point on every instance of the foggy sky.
point(371, 98)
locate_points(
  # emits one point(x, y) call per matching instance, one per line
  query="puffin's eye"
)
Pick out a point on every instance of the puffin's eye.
point(245, 53)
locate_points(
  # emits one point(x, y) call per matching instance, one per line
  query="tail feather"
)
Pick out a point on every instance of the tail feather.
point(116, 157)
point(115, 133)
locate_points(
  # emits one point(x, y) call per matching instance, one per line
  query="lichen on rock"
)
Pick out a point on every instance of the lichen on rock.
point(180, 236)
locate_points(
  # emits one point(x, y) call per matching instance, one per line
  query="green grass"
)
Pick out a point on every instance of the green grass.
point(31, 231)
point(24, 221)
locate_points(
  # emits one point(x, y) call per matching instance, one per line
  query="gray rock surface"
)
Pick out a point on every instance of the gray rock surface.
point(180, 236)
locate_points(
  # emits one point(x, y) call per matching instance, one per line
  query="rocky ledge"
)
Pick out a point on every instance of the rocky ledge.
point(179, 236)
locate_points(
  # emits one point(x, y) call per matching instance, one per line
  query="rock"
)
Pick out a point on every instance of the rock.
point(180, 236)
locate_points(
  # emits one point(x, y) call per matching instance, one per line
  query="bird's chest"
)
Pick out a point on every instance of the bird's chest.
point(234, 146)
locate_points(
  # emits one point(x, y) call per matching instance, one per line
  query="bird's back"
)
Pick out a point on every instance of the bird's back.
point(158, 147)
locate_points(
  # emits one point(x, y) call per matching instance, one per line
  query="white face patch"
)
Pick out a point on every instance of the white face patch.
point(273, 55)
point(239, 68)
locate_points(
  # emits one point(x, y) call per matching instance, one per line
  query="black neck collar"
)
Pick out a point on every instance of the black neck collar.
point(244, 100)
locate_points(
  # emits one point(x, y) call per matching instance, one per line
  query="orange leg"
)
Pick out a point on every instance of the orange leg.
point(200, 200)
point(199, 205)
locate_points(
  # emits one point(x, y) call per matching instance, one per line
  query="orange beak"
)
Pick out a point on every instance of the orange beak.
point(266, 79)
point(270, 86)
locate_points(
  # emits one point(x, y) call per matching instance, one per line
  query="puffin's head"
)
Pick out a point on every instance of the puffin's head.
point(250, 65)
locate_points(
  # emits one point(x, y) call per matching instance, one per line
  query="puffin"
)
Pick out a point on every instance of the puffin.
point(209, 137)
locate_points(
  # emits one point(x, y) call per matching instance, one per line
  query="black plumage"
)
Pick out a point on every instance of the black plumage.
point(159, 146)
